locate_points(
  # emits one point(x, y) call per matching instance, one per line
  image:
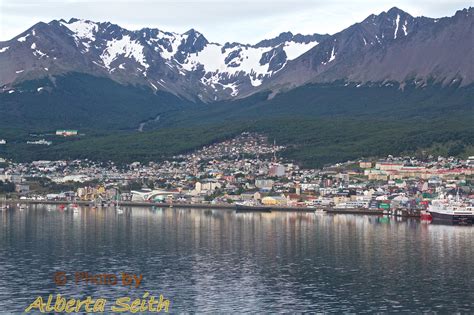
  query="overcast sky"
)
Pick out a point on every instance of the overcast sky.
point(245, 21)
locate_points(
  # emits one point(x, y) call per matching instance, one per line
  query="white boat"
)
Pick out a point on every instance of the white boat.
point(455, 211)
point(117, 205)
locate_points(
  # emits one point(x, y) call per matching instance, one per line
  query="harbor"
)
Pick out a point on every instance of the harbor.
point(212, 259)
point(331, 210)
point(236, 157)
point(245, 173)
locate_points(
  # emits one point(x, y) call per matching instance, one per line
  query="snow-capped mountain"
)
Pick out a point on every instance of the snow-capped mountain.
point(386, 48)
point(390, 47)
point(184, 64)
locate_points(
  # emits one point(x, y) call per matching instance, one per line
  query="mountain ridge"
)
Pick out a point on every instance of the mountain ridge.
point(391, 47)
point(400, 48)
point(162, 60)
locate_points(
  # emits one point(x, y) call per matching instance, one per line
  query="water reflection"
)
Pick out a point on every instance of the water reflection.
point(218, 260)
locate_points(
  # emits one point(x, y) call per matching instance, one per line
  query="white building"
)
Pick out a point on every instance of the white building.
point(201, 187)
point(264, 184)
point(150, 195)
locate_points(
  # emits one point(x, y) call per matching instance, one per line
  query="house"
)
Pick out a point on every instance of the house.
point(206, 186)
point(274, 201)
point(264, 184)
point(251, 195)
point(340, 199)
point(374, 174)
point(388, 166)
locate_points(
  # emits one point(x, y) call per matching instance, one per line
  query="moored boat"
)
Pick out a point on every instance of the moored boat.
point(425, 216)
point(247, 207)
point(117, 204)
point(453, 211)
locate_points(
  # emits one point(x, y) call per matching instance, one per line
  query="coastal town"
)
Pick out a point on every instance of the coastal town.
point(248, 170)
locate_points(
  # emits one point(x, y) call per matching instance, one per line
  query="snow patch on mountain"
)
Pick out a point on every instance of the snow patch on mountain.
point(220, 61)
point(397, 21)
point(166, 44)
point(293, 49)
point(233, 87)
point(404, 27)
point(175, 41)
point(123, 47)
point(332, 57)
point(82, 29)
point(38, 53)
point(214, 62)
point(23, 38)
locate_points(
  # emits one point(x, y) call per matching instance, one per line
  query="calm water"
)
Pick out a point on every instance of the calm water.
point(208, 261)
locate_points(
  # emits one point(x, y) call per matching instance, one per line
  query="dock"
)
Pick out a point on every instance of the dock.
point(360, 211)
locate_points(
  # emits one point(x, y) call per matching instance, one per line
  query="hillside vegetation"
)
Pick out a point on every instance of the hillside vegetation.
point(319, 124)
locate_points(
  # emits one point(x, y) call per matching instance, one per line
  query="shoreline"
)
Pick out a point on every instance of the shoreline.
point(360, 211)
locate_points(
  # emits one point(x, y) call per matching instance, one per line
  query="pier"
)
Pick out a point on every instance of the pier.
point(364, 211)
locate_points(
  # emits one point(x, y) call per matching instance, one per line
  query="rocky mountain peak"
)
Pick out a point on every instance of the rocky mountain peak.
point(186, 64)
point(394, 11)
point(190, 66)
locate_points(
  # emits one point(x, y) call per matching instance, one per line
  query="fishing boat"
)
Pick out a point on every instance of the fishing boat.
point(251, 207)
point(451, 210)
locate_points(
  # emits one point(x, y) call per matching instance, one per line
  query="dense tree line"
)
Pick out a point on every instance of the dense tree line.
point(319, 123)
